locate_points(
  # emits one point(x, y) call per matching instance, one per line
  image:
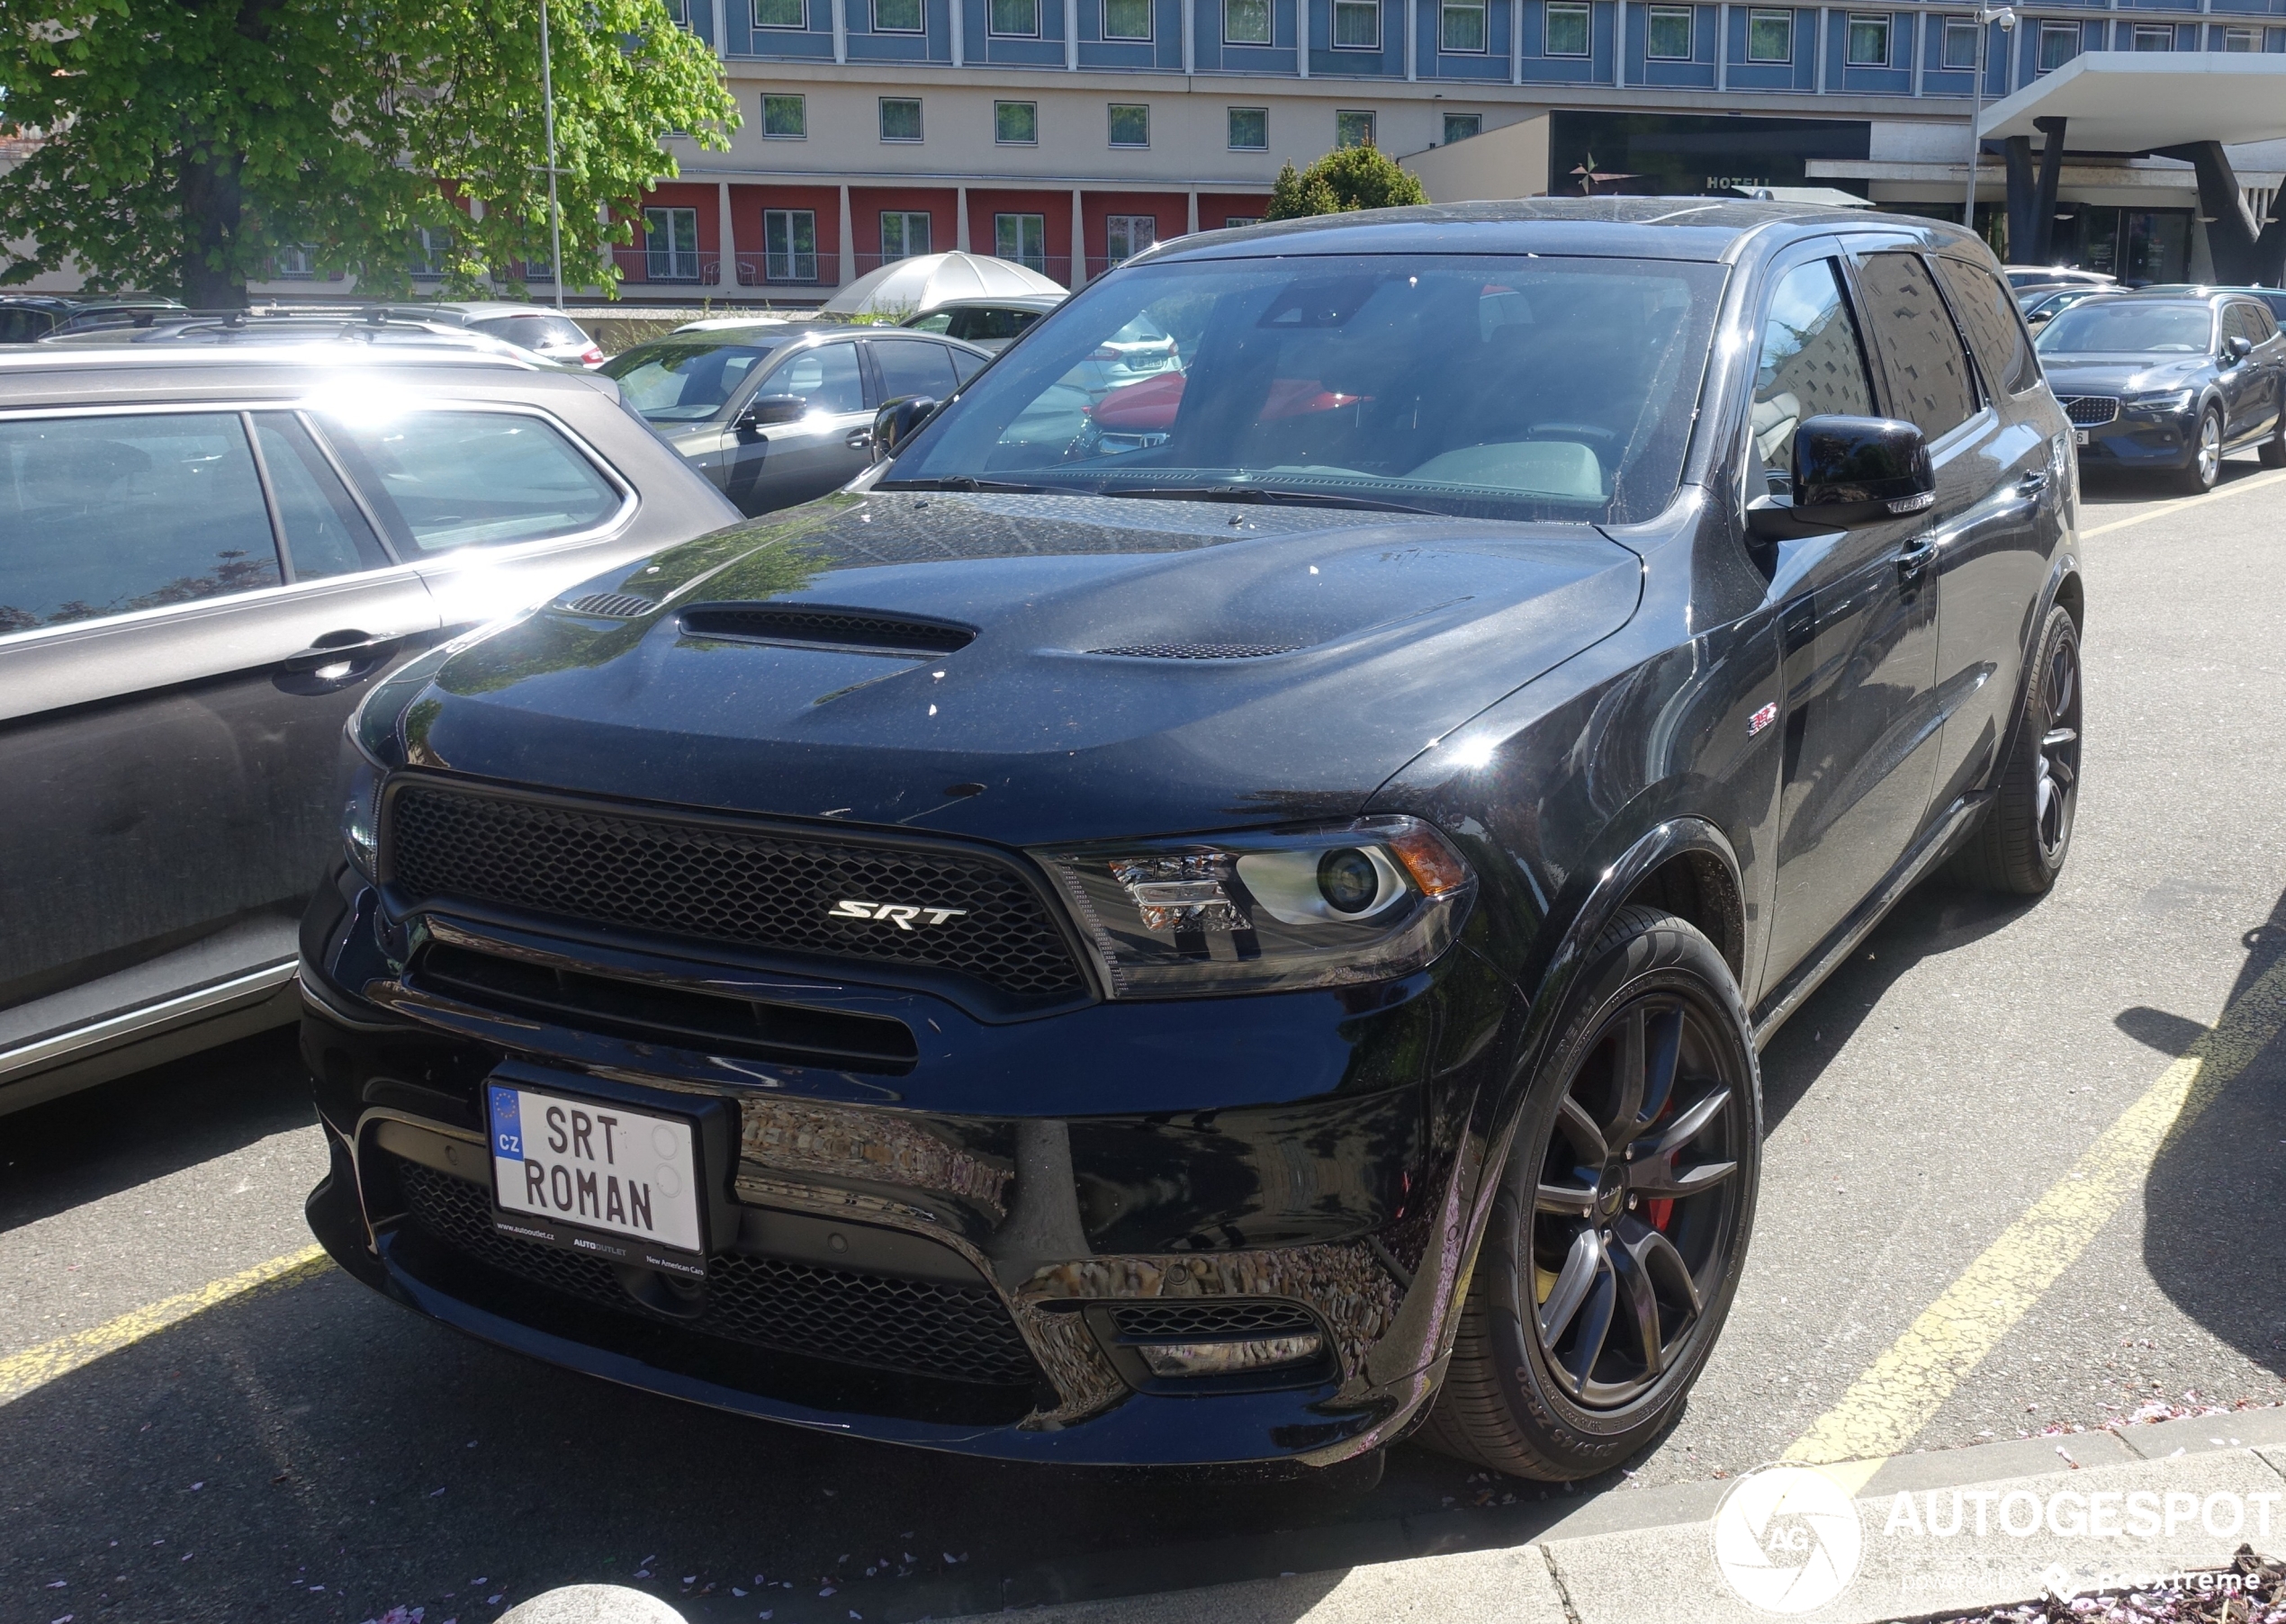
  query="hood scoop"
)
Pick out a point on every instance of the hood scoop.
point(612, 606)
point(827, 626)
point(1200, 651)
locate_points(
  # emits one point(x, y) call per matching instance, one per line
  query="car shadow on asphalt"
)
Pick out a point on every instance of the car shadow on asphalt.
point(2104, 488)
point(2214, 1204)
point(85, 1147)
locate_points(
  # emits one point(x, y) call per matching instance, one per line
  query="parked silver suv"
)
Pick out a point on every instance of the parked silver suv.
point(207, 554)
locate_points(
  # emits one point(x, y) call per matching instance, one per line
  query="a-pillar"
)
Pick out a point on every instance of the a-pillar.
point(726, 267)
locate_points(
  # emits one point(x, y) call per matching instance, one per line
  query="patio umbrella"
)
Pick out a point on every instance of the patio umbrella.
point(908, 287)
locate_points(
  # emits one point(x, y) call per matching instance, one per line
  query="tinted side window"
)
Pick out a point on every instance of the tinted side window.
point(1811, 362)
point(965, 365)
point(940, 321)
point(825, 377)
point(21, 326)
point(1995, 330)
point(325, 533)
point(2266, 324)
point(1927, 372)
point(102, 516)
point(442, 480)
point(913, 368)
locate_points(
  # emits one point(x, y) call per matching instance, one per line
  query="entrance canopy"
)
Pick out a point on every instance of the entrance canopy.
point(2120, 100)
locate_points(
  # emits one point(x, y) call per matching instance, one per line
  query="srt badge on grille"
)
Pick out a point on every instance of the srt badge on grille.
point(900, 914)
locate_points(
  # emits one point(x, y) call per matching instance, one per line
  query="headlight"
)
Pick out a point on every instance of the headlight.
point(2163, 399)
point(361, 819)
point(1258, 913)
point(373, 725)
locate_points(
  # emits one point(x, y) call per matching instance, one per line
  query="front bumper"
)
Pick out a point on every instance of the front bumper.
point(2140, 442)
point(967, 1243)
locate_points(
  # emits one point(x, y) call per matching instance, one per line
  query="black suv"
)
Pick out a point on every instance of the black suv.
point(1215, 919)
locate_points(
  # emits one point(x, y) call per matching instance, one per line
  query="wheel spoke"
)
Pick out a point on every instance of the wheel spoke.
point(2058, 736)
point(1581, 1265)
point(1657, 1179)
point(1580, 1128)
point(1663, 1263)
point(1691, 1124)
point(1665, 1035)
point(1595, 1328)
point(1564, 1201)
point(1627, 1077)
point(1642, 1308)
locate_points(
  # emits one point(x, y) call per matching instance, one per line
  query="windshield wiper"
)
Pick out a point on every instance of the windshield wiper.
point(961, 481)
point(1268, 495)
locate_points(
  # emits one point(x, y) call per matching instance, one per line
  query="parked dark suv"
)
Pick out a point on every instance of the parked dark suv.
point(1219, 941)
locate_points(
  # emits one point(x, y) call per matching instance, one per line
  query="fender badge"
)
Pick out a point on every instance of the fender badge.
point(1761, 719)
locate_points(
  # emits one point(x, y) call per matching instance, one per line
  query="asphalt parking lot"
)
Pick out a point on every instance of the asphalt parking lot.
point(299, 1449)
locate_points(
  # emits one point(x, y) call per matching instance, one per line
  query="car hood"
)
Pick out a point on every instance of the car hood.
point(2121, 374)
point(1116, 681)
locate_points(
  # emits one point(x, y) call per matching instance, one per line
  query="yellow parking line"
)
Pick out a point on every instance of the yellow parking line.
point(20, 1373)
point(2169, 509)
point(1902, 1391)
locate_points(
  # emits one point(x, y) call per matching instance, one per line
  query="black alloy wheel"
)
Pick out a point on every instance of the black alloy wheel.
point(1621, 1222)
point(2020, 846)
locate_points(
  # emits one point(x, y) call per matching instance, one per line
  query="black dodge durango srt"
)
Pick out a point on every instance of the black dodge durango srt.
point(1221, 917)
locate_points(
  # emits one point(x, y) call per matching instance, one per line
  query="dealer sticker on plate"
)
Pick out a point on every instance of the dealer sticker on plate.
point(596, 1177)
point(2079, 436)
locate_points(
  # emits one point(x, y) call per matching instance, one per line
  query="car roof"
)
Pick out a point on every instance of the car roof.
point(85, 377)
point(481, 310)
point(995, 301)
point(1647, 228)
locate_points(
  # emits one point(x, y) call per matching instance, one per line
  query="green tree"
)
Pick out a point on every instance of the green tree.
point(183, 143)
point(1347, 178)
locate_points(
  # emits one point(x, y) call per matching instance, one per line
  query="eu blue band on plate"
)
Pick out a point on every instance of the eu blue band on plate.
point(507, 1124)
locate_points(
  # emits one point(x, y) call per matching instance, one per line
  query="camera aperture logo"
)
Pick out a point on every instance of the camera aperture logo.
point(1787, 1539)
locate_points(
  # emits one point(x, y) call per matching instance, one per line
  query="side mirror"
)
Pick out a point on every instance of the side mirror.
point(2238, 348)
point(763, 411)
point(894, 424)
point(1848, 472)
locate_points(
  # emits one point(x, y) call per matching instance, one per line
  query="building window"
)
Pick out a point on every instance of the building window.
point(2238, 39)
point(1249, 130)
point(1022, 239)
point(1357, 24)
point(1567, 32)
point(1127, 18)
point(1015, 123)
point(786, 118)
point(1127, 234)
point(900, 118)
point(1960, 43)
point(1461, 26)
point(1245, 22)
point(2059, 44)
point(670, 245)
point(1867, 41)
point(1016, 19)
point(789, 244)
point(781, 14)
point(2148, 37)
point(1668, 38)
point(904, 234)
point(1130, 125)
point(897, 16)
point(679, 13)
point(295, 261)
point(1353, 128)
point(1769, 36)
point(1460, 126)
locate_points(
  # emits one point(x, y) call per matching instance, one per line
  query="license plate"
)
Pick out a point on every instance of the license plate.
point(2079, 436)
point(592, 1176)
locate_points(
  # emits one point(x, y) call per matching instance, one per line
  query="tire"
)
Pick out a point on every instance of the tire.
point(2198, 476)
point(1524, 1393)
point(2020, 848)
point(2272, 451)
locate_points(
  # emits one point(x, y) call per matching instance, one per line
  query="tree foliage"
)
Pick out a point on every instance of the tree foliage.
point(183, 143)
point(1347, 178)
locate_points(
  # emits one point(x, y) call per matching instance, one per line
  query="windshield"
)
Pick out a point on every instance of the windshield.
point(1485, 386)
point(685, 379)
point(2121, 328)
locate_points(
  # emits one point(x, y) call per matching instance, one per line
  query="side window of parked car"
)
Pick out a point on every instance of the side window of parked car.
point(22, 326)
point(914, 367)
point(325, 534)
point(106, 515)
point(1812, 362)
point(825, 377)
point(1995, 329)
point(1928, 371)
point(2265, 325)
point(441, 481)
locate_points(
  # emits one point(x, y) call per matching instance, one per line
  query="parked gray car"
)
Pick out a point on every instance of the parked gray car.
point(779, 412)
point(207, 555)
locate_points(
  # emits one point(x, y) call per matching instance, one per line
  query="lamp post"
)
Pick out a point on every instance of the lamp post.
point(555, 215)
point(2006, 17)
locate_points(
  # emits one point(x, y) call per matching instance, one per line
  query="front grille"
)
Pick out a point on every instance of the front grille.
point(917, 1327)
point(723, 884)
point(2089, 411)
point(1200, 650)
point(1190, 1320)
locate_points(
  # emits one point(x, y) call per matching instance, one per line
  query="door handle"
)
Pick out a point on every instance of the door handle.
point(341, 648)
point(1915, 559)
point(858, 439)
point(2032, 483)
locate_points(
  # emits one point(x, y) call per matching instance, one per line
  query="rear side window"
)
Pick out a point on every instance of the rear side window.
point(1995, 330)
point(21, 326)
point(990, 323)
point(325, 534)
point(826, 378)
point(915, 368)
point(1928, 371)
point(441, 481)
point(965, 365)
point(107, 515)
